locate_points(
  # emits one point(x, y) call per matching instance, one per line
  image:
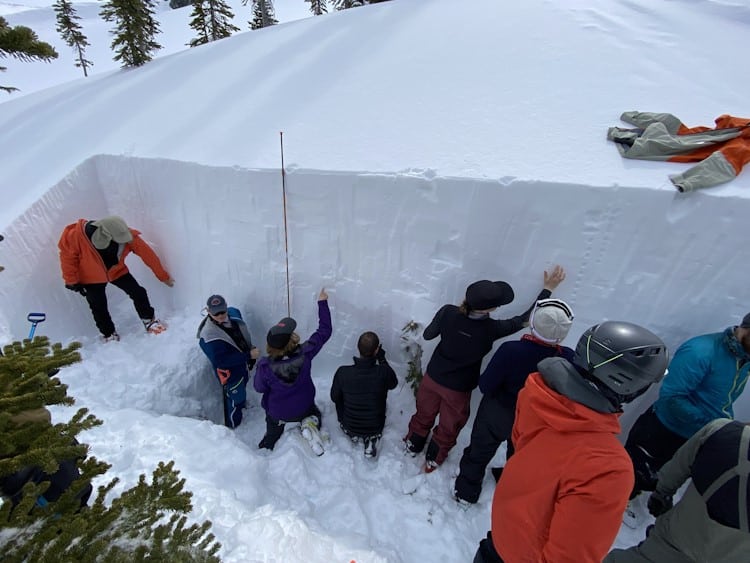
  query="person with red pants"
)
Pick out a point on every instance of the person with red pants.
point(466, 335)
point(92, 254)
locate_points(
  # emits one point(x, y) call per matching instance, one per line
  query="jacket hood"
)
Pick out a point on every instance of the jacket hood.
point(288, 368)
point(563, 409)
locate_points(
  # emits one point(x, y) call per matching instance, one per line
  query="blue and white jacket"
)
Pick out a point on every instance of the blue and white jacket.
point(229, 360)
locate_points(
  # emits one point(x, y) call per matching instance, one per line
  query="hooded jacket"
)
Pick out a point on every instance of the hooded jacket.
point(82, 263)
point(563, 493)
point(721, 151)
point(228, 349)
point(706, 376)
point(286, 383)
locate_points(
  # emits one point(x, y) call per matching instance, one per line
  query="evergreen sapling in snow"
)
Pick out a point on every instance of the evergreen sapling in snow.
point(145, 523)
point(413, 349)
point(70, 30)
point(318, 7)
point(264, 14)
point(136, 28)
point(212, 19)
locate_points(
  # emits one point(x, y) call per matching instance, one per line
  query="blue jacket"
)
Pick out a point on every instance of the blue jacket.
point(229, 360)
point(512, 363)
point(286, 383)
point(706, 376)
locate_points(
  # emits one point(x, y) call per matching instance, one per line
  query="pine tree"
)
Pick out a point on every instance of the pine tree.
point(346, 4)
point(318, 7)
point(212, 20)
point(70, 31)
point(135, 527)
point(136, 28)
point(23, 44)
point(264, 14)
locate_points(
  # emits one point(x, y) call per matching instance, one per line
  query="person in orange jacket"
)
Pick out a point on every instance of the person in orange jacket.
point(92, 254)
point(562, 494)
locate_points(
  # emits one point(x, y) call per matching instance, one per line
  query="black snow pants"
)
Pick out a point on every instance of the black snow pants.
point(97, 299)
point(650, 445)
point(492, 426)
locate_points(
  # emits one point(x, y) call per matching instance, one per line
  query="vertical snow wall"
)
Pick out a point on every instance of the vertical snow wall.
point(389, 248)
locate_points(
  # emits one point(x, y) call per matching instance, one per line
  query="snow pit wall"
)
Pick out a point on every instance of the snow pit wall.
point(389, 248)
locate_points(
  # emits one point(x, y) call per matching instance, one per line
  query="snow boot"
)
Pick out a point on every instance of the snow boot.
point(414, 444)
point(114, 337)
point(371, 446)
point(153, 326)
point(311, 433)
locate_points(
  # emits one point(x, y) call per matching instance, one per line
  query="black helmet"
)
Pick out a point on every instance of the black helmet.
point(624, 357)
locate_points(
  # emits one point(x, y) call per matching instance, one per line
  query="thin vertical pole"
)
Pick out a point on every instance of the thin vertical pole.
point(286, 228)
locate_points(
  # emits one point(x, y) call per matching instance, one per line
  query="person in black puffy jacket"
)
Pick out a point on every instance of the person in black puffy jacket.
point(359, 392)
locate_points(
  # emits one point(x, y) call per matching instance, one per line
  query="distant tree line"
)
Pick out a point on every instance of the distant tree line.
point(135, 28)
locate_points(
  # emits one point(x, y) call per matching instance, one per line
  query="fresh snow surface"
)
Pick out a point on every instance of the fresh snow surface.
point(424, 151)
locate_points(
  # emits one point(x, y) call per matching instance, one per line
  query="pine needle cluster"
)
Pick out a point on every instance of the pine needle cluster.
point(147, 522)
point(413, 349)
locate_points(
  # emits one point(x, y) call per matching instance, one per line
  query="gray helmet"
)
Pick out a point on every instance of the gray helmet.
point(624, 357)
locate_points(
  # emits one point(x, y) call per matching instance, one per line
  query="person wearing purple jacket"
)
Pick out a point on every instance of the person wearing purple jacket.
point(284, 376)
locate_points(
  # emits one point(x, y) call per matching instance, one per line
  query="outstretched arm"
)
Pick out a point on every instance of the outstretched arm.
point(149, 257)
point(325, 327)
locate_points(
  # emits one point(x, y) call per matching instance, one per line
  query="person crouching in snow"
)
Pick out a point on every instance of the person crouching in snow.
point(562, 494)
point(224, 338)
point(92, 254)
point(360, 391)
point(466, 335)
point(284, 377)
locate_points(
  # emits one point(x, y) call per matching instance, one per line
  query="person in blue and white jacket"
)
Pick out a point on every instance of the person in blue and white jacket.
point(706, 376)
point(224, 338)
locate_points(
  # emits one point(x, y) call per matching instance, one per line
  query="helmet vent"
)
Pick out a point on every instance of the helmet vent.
point(620, 378)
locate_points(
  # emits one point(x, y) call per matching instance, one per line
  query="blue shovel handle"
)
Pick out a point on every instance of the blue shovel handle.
point(35, 319)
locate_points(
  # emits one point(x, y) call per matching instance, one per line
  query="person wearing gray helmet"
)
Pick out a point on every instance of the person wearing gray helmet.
point(562, 493)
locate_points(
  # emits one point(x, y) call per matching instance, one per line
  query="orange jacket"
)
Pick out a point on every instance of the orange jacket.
point(563, 493)
point(82, 263)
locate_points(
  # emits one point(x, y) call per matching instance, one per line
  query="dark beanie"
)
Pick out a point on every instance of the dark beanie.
point(486, 294)
point(746, 321)
point(280, 333)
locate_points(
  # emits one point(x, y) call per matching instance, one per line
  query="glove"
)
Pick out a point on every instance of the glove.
point(659, 503)
point(77, 287)
point(380, 355)
point(250, 364)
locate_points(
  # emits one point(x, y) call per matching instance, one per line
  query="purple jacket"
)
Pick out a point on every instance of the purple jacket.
point(286, 383)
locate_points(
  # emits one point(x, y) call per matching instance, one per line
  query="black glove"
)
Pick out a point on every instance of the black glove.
point(250, 364)
point(77, 287)
point(659, 503)
point(380, 354)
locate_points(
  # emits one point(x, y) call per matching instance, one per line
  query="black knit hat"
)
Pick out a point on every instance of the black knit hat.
point(746, 321)
point(280, 333)
point(486, 294)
